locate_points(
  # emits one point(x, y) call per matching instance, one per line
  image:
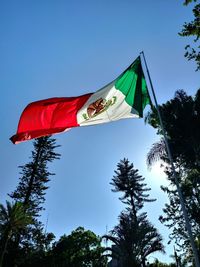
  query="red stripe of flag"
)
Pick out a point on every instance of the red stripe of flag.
point(45, 117)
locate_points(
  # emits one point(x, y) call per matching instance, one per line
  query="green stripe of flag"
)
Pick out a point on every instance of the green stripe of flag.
point(133, 85)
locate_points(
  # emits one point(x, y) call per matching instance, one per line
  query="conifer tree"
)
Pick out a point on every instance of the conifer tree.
point(35, 175)
point(134, 237)
point(128, 181)
point(31, 192)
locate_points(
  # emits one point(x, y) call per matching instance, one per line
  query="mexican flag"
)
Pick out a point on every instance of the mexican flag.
point(125, 97)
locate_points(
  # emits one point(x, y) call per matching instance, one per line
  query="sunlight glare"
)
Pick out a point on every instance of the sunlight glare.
point(157, 172)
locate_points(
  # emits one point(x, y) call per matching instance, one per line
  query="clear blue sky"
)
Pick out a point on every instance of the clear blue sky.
point(67, 48)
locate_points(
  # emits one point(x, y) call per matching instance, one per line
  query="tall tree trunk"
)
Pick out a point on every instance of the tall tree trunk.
point(134, 210)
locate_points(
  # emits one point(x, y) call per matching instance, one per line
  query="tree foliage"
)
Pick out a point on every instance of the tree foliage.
point(192, 29)
point(127, 181)
point(134, 237)
point(32, 187)
point(157, 263)
point(31, 192)
point(181, 118)
point(80, 248)
point(13, 218)
point(134, 240)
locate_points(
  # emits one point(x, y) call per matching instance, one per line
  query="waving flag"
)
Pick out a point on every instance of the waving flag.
point(125, 97)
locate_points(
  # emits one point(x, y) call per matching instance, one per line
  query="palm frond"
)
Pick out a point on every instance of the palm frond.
point(156, 152)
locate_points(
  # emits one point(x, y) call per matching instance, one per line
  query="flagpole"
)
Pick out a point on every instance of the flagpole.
point(187, 223)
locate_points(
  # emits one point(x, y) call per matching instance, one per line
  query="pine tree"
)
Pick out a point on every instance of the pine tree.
point(134, 237)
point(130, 183)
point(31, 192)
point(134, 240)
point(35, 175)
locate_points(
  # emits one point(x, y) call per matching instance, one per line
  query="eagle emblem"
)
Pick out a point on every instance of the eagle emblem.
point(99, 106)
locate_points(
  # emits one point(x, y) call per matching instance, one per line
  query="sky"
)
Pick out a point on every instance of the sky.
point(68, 48)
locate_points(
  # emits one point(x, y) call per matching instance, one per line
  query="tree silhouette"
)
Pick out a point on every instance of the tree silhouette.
point(80, 248)
point(181, 118)
point(31, 192)
point(192, 29)
point(134, 240)
point(134, 237)
point(130, 183)
point(35, 175)
point(13, 218)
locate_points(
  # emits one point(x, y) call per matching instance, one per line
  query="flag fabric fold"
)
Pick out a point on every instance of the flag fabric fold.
point(125, 97)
